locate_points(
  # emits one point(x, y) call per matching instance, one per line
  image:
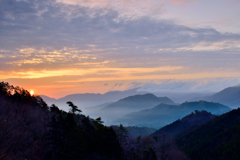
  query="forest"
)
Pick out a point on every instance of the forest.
point(30, 129)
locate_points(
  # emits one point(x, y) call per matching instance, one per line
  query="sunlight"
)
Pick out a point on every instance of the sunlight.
point(32, 92)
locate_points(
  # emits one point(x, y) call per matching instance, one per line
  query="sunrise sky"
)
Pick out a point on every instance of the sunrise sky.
point(60, 47)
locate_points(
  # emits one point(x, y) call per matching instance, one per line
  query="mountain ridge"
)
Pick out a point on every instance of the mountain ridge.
point(229, 96)
point(164, 114)
point(216, 139)
point(186, 124)
point(132, 104)
point(85, 100)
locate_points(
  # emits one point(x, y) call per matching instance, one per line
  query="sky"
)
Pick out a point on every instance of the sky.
point(61, 47)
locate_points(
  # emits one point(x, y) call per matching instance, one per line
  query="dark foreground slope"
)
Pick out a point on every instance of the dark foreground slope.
point(135, 132)
point(186, 124)
point(216, 139)
point(164, 114)
point(29, 129)
point(23, 124)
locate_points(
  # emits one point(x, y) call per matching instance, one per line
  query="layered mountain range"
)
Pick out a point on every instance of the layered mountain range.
point(33, 130)
point(132, 104)
point(145, 109)
point(90, 99)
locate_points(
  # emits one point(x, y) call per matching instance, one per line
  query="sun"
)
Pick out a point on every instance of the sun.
point(32, 92)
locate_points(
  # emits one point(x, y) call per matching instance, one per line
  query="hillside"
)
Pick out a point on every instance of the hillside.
point(133, 131)
point(164, 114)
point(186, 124)
point(216, 139)
point(32, 130)
point(133, 104)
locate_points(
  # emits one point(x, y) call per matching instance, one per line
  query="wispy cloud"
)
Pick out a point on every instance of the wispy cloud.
point(126, 9)
point(189, 86)
point(182, 2)
point(95, 74)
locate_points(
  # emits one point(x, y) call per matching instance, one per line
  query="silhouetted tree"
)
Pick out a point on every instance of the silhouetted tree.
point(73, 108)
point(99, 120)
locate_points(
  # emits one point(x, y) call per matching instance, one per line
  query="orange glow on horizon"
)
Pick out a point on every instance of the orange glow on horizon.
point(57, 87)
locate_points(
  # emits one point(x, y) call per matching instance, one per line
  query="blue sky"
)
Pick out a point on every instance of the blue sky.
point(78, 46)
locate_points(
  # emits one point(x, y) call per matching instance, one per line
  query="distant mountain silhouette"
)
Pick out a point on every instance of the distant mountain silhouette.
point(95, 111)
point(186, 124)
point(164, 114)
point(133, 104)
point(90, 99)
point(229, 96)
point(217, 139)
point(48, 100)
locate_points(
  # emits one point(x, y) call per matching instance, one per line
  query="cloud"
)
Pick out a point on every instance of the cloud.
point(56, 27)
point(109, 40)
point(182, 2)
point(126, 9)
point(188, 86)
point(89, 73)
point(116, 84)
